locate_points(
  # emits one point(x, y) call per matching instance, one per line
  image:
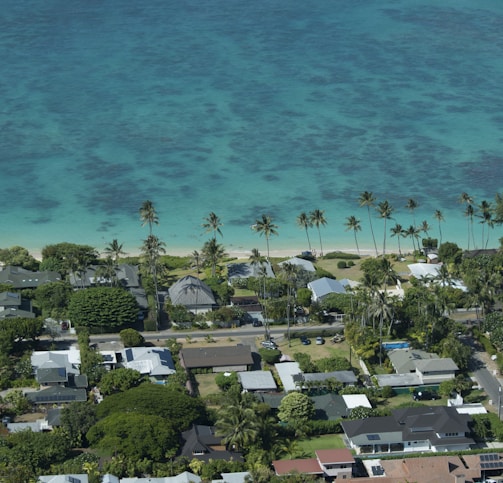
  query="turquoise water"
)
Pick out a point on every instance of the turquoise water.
point(244, 108)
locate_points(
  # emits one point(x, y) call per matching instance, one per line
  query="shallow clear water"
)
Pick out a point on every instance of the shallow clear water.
point(244, 108)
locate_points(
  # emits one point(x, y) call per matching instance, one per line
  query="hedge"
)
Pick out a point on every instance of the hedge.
point(341, 256)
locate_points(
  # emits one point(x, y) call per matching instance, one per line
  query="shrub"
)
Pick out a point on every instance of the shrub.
point(342, 264)
point(270, 356)
point(317, 427)
point(342, 256)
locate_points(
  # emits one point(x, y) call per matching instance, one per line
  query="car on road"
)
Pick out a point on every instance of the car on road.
point(304, 340)
point(425, 396)
point(320, 340)
point(268, 344)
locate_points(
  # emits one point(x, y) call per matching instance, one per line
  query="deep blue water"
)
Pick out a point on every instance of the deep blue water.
point(244, 108)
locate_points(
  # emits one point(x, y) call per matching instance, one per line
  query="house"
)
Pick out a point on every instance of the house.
point(237, 271)
point(250, 305)
point(10, 300)
point(430, 273)
point(73, 478)
point(435, 371)
point(329, 407)
point(404, 360)
point(259, 381)
point(155, 362)
point(417, 429)
point(13, 312)
point(57, 395)
point(127, 276)
point(220, 359)
point(185, 477)
point(193, 294)
point(202, 443)
point(329, 463)
point(325, 286)
point(301, 263)
point(236, 477)
point(58, 368)
point(20, 278)
point(12, 305)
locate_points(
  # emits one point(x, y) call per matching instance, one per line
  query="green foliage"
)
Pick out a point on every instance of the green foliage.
point(387, 392)
point(296, 409)
point(362, 412)
point(131, 338)
point(179, 314)
point(487, 427)
point(153, 399)
point(321, 272)
point(461, 384)
point(65, 257)
point(134, 435)
point(270, 356)
point(18, 257)
point(338, 302)
point(19, 329)
point(222, 290)
point(330, 364)
point(317, 427)
point(172, 262)
point(455, 349)
point(449, 252)
point(341, 256)
point(53, 298)
point(341, 264)
point(304, 297)
point(119, 380)
point(305, 362)
point(429, 242)
point(225, 382)
point(102, 307)
point(76, 420)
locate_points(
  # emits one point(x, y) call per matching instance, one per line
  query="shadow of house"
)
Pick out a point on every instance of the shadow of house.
point(201, 442)
point(236, 271)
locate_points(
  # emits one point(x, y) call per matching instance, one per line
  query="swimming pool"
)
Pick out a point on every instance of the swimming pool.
point(395, 345)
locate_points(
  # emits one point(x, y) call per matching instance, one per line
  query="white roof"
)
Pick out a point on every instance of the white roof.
point(257, 380)
point(324, 286)
point(431, 271)
point(286, 371)
point(398, 380)
point(300, 262)
point(74, 478)
point(154, 361)
point(238, 477)
point(185, 477)
point(356, 400)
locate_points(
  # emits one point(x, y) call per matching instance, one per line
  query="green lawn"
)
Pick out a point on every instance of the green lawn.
point(325, 441)
point(206, 384)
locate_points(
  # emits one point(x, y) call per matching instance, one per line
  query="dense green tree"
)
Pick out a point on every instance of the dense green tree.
point(68, 257)
point(296, 409)
point(76, 420)
point(153, 399)
point(102, 307)
point(119, 380)
point(134, 435)
point(449, 252)
point(18, 257)
point(225, 380)
point(131, 338)
point(53, 298)
point(265, 226)
point(18, 329)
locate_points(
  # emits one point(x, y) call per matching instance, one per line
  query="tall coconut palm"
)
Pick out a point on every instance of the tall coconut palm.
point(152, 249)
point(289, 273)
point(258, 261)
point(411, 206)
point(385, 211)
point(413, 233)
point(212, 253)
point(114, 250)
point(318, 219)
point(212, 224)
point(485, 216)
point(353, 223)
point(467, 200)
point(196, 259)
point(305, 223)
point(398, 231)
point(265, 226)
point(148, 215)
point(440, 218)
point(367, 199)
point(237, 423)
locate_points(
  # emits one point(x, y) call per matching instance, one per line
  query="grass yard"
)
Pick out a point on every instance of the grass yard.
point(395, 401)
point(206, 384)
point(325, 441)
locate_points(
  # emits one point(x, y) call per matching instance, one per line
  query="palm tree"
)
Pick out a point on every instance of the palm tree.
point(107, 272)
point(398, 231)
point(196, 258)
point(305, 223)
point(367, 199)
point(266, 227)
point(318, 219)
point(213, 224)
point(257, 260)
point(353, 223)
point(486, 219)
point(152, 249)
point(290, 275)
point(212, 253)
point(439, 217)
point(466, 199)
point(148, 215)
point(385, 211)
point(413, 233)
point(411, 206)
point(114, 250)
point(425, 227)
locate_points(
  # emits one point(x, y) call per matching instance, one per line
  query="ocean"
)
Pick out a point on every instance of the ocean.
point(246, 108)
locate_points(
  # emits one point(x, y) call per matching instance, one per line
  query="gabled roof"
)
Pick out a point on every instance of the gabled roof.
point(12, 312)
point(20, 278)
point(383, 424)
point(334, 456)
point(309, 466)
point(300, 262)
point(73, 478)
point(257, 381)
point(126, 274)
point(247, 270)
point(185, 477)
point(324, 286)
point(154, 361)
point(69, 360)
point(329, 406)
point(57, 395)
point(404, 360)
point(238, 355)
point(436, 365)
point(346, 377)
point(191, 292)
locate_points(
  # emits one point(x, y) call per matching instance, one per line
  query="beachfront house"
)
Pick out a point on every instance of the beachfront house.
point(193, 294)
point(20, 278)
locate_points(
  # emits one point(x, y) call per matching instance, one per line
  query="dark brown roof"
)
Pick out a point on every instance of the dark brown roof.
point(239, 355)
point(285, 467)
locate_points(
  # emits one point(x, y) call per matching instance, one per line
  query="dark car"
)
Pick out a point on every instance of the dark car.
point(304, 340)
point(257, 323)
point(425, 396)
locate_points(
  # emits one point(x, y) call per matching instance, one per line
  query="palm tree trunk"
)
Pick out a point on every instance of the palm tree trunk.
point(308, 240)
point(356, 241)
point(372, 230)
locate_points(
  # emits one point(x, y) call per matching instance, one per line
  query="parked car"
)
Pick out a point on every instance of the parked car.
point(320, 340)
point(268, 344)
point(257, 323)
point(304, 340)
point(425, 396)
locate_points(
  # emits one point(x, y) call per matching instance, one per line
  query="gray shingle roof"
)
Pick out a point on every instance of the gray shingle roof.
point(20, 278)
point(257, 380)
point(216, 356)
point(192, 292)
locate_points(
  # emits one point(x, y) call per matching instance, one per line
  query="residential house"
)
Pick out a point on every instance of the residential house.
point(329, 463)
point(250, 305)
point(435, 371)
point(417, 429)
point(185, 477)
point(301, 263)
point(48, 423)
point(12, 305)
point(193, 294)
point(237, 271)
point(236, 477)
point(257, 381)
point(219, 359)
point(429, 272)
point(73, 478)
point(202, 443)
point(20, 278)
point(155, 362)
point(323, 287)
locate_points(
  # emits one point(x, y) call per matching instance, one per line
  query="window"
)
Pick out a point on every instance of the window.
point(373, 437)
